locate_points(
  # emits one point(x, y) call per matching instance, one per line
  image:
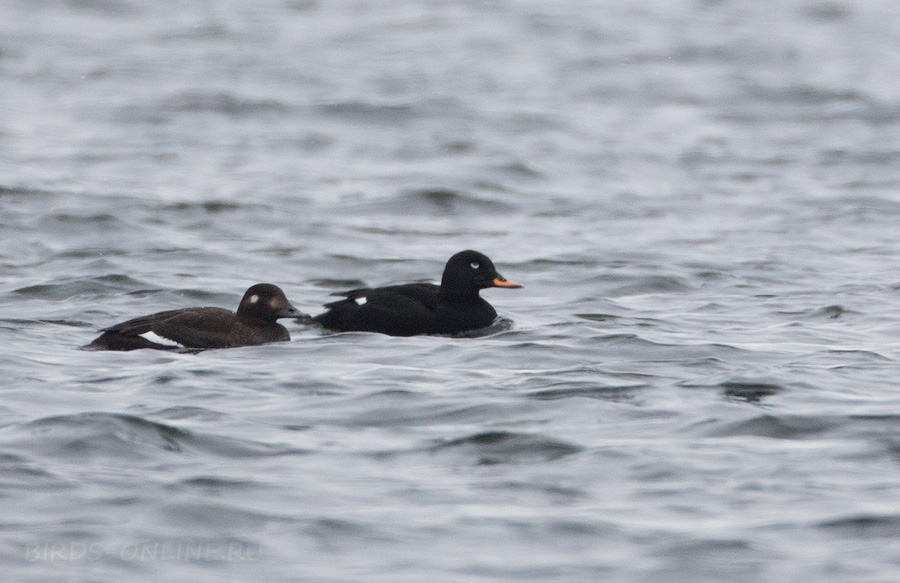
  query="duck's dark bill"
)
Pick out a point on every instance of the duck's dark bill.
point(500, 282)
point(289, 312)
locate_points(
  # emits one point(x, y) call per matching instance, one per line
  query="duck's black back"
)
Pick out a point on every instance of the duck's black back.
point(399, 310)
point(405, 310)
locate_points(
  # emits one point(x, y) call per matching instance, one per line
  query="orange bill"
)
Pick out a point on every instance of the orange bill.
point(501, 282)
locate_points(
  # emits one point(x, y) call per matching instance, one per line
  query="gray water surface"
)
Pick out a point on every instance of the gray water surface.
point(698, 383)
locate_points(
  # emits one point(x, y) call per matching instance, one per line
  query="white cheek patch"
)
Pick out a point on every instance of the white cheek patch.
point(253, 299)
point(157, 339)
point(360, 300)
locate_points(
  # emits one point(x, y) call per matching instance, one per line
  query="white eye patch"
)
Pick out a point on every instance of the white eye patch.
point(360, 300)
point(474, 265)
point(253, 299)
point(157, 339)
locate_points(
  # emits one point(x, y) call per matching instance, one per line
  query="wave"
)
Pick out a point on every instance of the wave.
point(67, 287)
point(93, 434)
point(433, 202)
point(502, 447)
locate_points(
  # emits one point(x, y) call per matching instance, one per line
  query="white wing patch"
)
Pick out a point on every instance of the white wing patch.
point(156, 338)
point(361, 300)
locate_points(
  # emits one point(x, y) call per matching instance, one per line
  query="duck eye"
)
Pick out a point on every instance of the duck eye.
point(474, 265)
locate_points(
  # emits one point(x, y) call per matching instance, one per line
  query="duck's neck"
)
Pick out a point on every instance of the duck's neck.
point(252, 319)
point(459, 294)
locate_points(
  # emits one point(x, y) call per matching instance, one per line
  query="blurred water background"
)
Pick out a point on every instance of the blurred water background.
point(700, 378)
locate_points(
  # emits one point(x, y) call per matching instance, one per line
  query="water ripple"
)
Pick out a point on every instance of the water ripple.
point(86, 435)
point(503, 447)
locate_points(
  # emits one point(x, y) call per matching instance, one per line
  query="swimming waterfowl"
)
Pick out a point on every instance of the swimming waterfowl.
point(255, 322)
point(422, 308)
